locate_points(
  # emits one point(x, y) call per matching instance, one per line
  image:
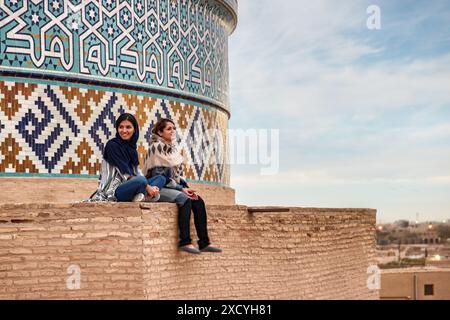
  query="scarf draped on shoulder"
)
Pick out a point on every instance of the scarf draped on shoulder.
point(164, 154)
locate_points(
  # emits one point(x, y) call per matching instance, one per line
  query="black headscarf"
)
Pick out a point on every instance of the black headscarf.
point(120, 153)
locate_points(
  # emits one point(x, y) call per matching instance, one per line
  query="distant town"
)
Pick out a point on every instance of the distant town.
point(414, 258)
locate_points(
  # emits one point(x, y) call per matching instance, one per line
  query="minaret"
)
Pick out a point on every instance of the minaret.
point(68, 68)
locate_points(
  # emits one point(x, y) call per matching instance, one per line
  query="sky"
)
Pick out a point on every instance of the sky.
point(363, 114)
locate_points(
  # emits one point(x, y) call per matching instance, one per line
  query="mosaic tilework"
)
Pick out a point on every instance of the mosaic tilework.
point(233, 4)
point(175, 44)
point(60, 129)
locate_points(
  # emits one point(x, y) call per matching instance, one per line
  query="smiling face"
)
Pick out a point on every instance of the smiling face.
point(126, 130)
point(168, 133)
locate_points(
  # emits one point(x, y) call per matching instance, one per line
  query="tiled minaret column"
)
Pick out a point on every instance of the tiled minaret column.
point(69, 68)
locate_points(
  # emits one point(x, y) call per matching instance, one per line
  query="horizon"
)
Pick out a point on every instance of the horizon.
point(447, 221)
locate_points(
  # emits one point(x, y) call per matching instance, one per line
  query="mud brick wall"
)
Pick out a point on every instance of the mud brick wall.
point(70, 190)
point(128, 251)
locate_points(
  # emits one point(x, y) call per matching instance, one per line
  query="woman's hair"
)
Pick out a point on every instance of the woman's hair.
point(160, 125)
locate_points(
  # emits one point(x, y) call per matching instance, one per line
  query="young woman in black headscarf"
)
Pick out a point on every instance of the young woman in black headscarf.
point(121, 178)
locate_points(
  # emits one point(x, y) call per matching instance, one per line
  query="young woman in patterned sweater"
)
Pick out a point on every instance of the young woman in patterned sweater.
point(164, 159)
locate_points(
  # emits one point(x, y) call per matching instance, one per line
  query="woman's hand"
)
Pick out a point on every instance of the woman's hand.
point(191, 193)
point(152, 191)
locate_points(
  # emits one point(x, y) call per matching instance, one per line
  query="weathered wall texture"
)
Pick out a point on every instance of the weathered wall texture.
point(69, 190)
point(128, 251)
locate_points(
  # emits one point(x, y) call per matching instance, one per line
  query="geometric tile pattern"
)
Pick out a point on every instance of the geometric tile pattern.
point(58, 128)
point(180, 45)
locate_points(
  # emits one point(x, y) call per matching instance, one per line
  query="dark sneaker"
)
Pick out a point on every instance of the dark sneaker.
point(211, 249)
point(190, 249)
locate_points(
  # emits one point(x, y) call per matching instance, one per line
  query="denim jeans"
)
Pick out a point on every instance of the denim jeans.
point(173, 195)
point(126, 191)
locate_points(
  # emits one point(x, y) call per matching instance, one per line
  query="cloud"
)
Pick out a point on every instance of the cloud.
point(309, 63)
point(289, 179)
point(394, 198)
point(355, 108)
point(360, 89)
point(441, 131)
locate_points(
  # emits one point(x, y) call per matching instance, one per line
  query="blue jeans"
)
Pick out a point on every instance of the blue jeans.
point(126, 191)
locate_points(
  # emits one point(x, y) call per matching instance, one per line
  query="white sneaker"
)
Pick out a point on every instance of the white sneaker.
point(139, 197)
point(152, 199)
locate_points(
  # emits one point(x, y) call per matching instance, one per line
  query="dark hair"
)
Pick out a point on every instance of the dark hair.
point(161, 125)
point(129, 117)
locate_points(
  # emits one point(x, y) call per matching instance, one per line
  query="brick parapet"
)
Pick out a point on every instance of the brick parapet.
point(128, 251)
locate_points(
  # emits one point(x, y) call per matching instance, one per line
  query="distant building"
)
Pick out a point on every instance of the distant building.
point(429, 283)
point(430, 238)
point(408, 233)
